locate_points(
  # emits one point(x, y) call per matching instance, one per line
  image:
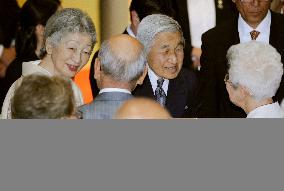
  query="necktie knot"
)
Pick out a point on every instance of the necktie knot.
point(254, 34)
point(160, 82)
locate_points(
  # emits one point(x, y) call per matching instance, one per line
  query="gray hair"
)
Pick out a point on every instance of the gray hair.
point(69, 20)
point(124, 70)
point(43, 97)
point(257, 66)
point(151, 25)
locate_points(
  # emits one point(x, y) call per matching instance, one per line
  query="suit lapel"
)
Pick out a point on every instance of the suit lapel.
point(176, 97)
point(234, 33)
point(232, 37)
point(145, 90)
point(113, 96)
point(276, 38)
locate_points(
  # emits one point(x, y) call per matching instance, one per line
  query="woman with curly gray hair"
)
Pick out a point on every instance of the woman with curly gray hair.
point(69, 39)
point(255, 72)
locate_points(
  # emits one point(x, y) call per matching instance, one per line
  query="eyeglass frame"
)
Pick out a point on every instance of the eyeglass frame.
point(227, 80)
point(250, 1)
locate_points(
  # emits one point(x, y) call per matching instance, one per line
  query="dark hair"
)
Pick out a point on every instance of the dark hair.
point(9, 16)
point(148, 7)
point(58, 1)
point(33, 12)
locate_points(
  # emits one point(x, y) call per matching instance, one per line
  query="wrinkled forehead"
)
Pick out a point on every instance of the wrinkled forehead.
point(174, 38)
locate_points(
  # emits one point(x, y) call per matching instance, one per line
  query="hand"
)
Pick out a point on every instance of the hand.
point(8, 55)
point(195, 56)
point(3, 68)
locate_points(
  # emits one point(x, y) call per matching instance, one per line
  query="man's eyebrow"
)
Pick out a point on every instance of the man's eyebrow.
point(165, 46)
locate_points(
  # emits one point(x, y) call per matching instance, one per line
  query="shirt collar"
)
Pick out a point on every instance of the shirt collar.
point(263, 27)
point(104, 90)
point(153, 79)
point(130, 32)
point(270, 110)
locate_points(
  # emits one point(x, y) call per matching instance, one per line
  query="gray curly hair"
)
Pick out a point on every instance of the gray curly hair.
point(256, 66)
point(151, 25)
point(69, 20)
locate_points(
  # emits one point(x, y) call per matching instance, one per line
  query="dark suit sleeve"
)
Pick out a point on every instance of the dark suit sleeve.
point(207, 94)
point(94, 86)
point(9, 15)
point(193, 86)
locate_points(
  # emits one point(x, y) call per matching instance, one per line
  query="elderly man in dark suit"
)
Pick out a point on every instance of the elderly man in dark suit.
point(138, 9)
point(255, 22)
point(167, 82)
point(120, 66)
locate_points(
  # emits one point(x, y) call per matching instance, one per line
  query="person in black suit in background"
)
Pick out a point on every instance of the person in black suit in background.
point(255, 22)
point(196, 17)
point(167, 81)
point(138, 9)
point(9, 15)
point(278, 6)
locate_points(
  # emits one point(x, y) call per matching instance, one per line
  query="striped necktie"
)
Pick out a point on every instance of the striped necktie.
point(159, 92)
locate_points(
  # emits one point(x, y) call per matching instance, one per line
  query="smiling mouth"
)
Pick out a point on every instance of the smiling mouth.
point(172, 69)
point(72, 68)
point(255, 12)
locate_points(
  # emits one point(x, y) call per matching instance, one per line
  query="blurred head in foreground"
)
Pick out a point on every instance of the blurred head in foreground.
point(43, 97)
point(142, 108)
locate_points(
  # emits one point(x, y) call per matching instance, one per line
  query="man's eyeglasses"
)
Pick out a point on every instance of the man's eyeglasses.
point(250, 1)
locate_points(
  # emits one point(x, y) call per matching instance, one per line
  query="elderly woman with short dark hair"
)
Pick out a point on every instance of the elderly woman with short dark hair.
point(255, 72)
point(69, 40)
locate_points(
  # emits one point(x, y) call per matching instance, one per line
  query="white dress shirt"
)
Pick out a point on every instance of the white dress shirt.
point(264, 29)
point(267, 111)
point(130, 32)
point(202, 17)
point(153, 79)
point(1, 50)
point(114, 90)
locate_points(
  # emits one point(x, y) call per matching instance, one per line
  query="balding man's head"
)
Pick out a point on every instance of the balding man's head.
point(125, 47)
point(121, 58)
point(142, 108)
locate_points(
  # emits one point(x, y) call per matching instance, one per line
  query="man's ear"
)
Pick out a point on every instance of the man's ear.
point(134, 17)
point(97, 69)
point(134, 20)
point(141, 79)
